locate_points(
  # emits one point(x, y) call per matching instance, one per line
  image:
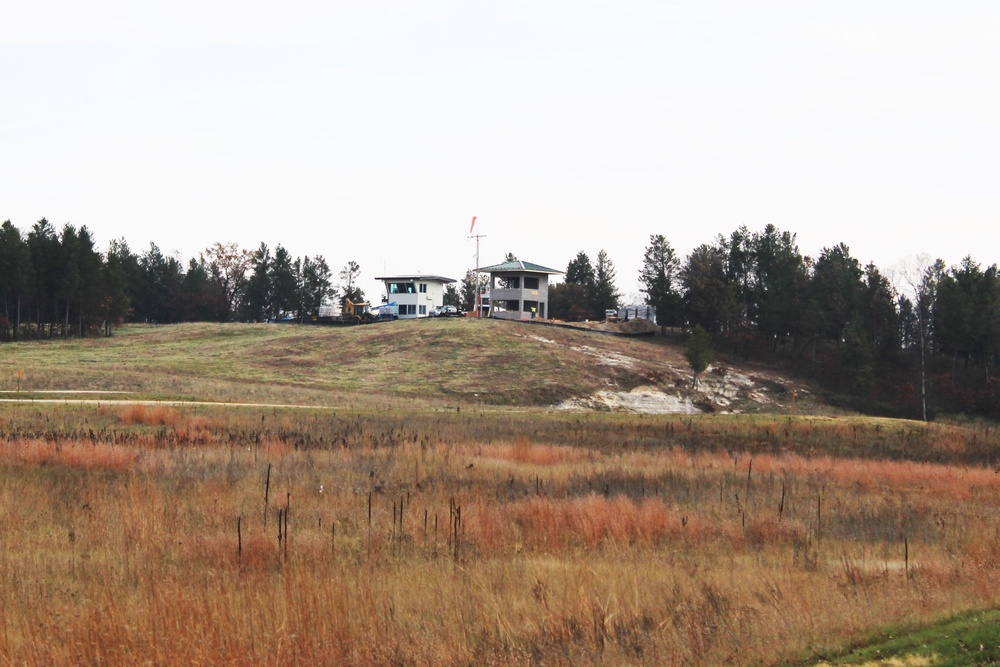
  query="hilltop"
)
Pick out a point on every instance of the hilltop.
point(434, 362)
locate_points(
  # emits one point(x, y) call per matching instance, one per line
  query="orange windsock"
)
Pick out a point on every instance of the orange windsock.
point(473, 224)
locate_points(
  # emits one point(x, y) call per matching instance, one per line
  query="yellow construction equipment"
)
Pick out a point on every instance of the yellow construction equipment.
point(357, 312)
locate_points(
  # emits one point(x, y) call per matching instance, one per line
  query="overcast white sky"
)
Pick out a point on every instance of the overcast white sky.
point(374, 131)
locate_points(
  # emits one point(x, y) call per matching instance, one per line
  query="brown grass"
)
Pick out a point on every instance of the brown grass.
point(155, 415)
point(70, 453)
point(121, 542)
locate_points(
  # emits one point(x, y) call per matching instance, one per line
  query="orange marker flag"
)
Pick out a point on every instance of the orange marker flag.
point(473, 224)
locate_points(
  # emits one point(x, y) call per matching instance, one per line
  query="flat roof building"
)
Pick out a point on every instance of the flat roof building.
point(415, 294)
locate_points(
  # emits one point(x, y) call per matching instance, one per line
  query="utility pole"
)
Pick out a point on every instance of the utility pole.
point(479, 300)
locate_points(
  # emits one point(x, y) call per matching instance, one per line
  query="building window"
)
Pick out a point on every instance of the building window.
point(423, 309)
point(423, 288)
point(530, 283)
point(401, 288)
point(510, 282)
point(509, 304)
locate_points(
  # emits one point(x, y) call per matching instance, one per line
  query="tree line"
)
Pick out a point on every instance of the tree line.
point(927, 339)
point(927, 335)
point(56, 283)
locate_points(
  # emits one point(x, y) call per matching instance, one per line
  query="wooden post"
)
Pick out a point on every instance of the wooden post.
point(267, 490)
point(781, 503)
point(819, 515)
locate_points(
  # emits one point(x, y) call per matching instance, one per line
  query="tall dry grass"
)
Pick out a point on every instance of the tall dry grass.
point(150, 543)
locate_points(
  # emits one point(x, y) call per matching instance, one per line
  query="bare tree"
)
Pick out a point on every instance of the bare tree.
point(909, 278)
point(349, 283)
point(229, 265)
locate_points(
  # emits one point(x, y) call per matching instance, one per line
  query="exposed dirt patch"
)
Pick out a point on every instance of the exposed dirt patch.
point(607, 358)
point(670, 387)
point(647, 400)
point(655, 378)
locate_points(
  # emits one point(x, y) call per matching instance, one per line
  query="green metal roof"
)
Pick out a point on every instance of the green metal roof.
point(519, 266)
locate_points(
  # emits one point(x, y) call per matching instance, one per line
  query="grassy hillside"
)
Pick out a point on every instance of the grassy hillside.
point(434, 361)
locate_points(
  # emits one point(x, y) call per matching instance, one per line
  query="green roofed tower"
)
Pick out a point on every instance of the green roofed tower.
point(518, 290)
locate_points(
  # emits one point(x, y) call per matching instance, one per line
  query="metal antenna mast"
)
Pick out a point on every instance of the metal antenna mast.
point(479, 300)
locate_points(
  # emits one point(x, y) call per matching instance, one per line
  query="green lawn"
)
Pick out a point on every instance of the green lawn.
point(965, 641)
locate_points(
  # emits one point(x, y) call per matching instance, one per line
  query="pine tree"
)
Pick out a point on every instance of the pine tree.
point(698, 351)
point(659, 278)
point(605, 295)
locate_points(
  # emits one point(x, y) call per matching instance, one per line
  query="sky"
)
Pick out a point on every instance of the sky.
point(373, 132)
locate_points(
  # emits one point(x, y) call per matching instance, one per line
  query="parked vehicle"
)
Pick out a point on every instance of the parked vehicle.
point(350, 313)
point(386, 312)
point(359, 313)
point(446, 311)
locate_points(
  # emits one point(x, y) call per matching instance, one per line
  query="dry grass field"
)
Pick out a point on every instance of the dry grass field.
point(410, 523)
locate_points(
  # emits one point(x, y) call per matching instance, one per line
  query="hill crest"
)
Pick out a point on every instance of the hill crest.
point(438, 362)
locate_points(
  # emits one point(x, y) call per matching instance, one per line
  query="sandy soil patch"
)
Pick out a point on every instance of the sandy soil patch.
point(606, 358)
point(646, 400)
point(723, 390)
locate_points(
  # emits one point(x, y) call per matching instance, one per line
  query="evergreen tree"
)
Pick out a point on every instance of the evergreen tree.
point(68, 272)
point(452, 297)
point(257, 302)
point(316, 286)
point(604, 295)
point(739, 254)
point(967, 315)
point(698, 351)
point(779, 285)
point(858, 360)
point(837, 287)
point(201, 296)
point(284, 284)
point(878, 312)
point(120, 275)
point(44, 249)
point(709, 298)
point(161, 299)
point(15, 277)
point(90, 293)
point(568, 302)
point(659, 280)
point(467, 291)
point(580, 271)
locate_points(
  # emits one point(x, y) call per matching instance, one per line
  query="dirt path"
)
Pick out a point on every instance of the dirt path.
point(139, 401)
